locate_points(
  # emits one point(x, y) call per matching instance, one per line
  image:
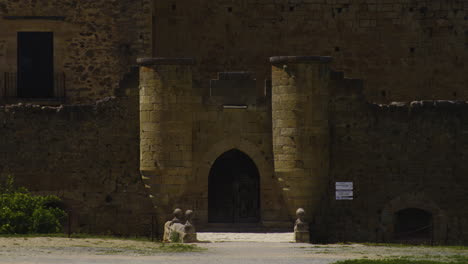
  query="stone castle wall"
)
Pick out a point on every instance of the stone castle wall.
point(312, 128)
point(404, 50)
point(84, 151)
point(94, 41)
point(399, 156)
point(183, 133)
point(85, 154)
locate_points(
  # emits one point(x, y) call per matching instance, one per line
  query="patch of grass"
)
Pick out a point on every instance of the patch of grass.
point(319, 247)
point(31, 235)
point(180, 248)
point(103, 245)
point(150, 250)
point(391, 245)
point(75, 236)
point(458, 258)
point(462, 260)
point(111, 252)
point(107, 237)
point(409, 245)
point(323, 252)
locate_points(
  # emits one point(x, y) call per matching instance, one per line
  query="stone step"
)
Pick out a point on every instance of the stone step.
point(278, 237)
point(247, 227)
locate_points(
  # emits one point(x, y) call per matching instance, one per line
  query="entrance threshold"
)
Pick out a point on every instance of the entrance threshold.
point(276, 227)
point(285, 237)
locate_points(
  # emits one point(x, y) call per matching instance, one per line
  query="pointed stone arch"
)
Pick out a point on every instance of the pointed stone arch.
point(234, 189)
point(204, 163)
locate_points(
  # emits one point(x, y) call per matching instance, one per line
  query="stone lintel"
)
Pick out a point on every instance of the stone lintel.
point(239, 75)
point(300, 59)
point(165, 61)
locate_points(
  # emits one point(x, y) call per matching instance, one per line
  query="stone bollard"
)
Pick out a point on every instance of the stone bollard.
point(177, 232)
point(301, 228)
point(190, 234)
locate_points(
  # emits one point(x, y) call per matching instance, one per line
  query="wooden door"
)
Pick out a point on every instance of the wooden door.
point(233, 195)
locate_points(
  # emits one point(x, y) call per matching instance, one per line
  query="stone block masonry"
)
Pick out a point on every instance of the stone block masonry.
point(309, 129)
point(166, 128)
point(399, 156)
point(404, 50)
point(182, 134)
point(94, 41)
point(85, 154)
point(300, 97)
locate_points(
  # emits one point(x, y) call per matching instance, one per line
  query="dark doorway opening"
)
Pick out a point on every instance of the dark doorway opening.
point(233, 189)
point(413, 225)
point(35, 64)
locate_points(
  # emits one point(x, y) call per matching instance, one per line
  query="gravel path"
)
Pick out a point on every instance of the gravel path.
point(226, 249)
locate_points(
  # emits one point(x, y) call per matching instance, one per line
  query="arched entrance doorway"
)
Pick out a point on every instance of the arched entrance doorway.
point(413, 225)
point(234, 189)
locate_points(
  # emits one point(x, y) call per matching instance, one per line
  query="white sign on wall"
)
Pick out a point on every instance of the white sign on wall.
point(344, 190)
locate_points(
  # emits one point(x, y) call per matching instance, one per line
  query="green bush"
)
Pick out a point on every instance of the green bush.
point(23, 213)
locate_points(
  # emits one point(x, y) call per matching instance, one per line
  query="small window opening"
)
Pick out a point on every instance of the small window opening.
point(291, 8)
point(229, 9)
point(412, 50)
point(383, 93)
point(174, 7)
point(337, 49)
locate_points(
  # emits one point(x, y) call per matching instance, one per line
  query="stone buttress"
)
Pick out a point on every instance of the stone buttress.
point(165, 129)
point(300, 99)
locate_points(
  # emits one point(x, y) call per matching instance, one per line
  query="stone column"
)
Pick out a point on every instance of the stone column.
point(300, 99)
point(165, 129)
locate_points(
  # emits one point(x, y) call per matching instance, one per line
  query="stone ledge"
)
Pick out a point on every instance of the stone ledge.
point(441, 104)
point(300, 59)
point(165, 61)
point(56, 18)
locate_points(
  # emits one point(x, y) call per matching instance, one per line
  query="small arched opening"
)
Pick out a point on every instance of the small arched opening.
point(234, 189)
point(413, 225)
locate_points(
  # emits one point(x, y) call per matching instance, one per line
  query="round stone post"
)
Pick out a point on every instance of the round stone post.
point(300, 99)
point(165, 129)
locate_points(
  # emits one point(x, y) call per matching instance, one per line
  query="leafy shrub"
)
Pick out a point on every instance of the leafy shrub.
point(22, 213)
point(175, 237)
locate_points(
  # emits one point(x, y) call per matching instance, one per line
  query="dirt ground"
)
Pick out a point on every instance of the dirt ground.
point(224, 248)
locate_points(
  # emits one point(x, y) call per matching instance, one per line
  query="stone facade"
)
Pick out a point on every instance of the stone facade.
point(404, 50)
point(94, 42)
point(323, 131)
point(151, 145)
point(85, 154)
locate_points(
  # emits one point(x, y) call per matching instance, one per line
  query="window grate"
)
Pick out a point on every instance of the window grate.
point(10, 86)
